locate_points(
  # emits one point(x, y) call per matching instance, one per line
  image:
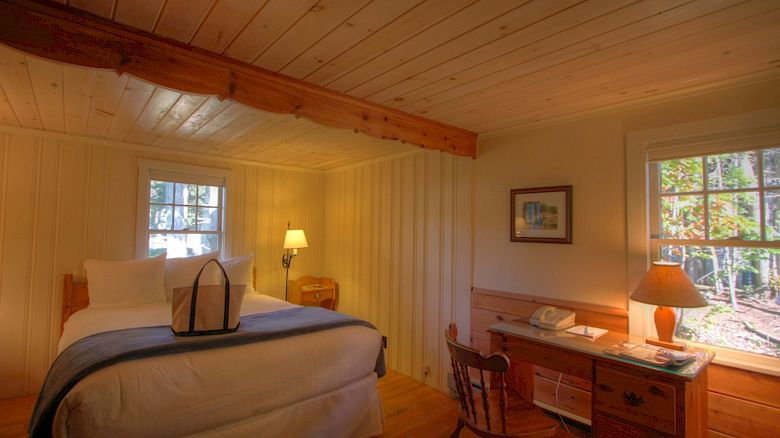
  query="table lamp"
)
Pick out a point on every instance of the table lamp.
point(293, 240)
point(667, 286)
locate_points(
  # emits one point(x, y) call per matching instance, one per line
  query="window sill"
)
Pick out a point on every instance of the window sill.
point(741, 360)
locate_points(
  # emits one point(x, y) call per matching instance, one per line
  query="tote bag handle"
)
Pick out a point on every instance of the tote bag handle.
point(195, 295)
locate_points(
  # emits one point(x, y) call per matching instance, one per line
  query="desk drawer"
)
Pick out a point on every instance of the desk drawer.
point(638, 400)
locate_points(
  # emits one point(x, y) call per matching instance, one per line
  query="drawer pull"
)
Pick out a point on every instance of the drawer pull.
point(632, 399)
point(656, 391)
point(604, 388)
point(317, 296)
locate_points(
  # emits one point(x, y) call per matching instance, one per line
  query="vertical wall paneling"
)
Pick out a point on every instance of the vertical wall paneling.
point(399, 245)
point(62, 201)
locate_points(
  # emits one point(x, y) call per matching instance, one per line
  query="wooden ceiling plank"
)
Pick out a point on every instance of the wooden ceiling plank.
point(703, 65)
point(557, 23)
point(204, 114)
point(7, 116)
point(103, 8)
point(466, 19)
point(404, 27)
point(543, 84)
point(282, 132)
point(202, 138)
point(234, 127)
point(106, 96)
point(47, 83)
point(159, 105)
point(317, 23)
point(510, 24)
point(79, 84)
point(265, 129)
point(67, 36)
point(140, 14)
point(347, 35)
point(180, 19)
point(18, 88)
point(273, 20)
point(225, 22)
point(619, 46)
point(134, 100)
point(179, 112)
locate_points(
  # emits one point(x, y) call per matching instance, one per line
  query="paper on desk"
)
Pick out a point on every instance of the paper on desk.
point(584, 330)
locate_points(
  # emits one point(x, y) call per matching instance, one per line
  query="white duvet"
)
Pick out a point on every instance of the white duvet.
point(319, 384)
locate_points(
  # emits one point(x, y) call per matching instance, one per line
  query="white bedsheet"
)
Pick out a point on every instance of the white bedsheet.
point(219, 390)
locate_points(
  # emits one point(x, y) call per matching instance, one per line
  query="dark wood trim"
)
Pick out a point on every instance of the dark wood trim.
point(68, 35)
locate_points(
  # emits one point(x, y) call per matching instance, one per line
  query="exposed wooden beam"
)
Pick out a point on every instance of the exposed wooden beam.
point(64, 34)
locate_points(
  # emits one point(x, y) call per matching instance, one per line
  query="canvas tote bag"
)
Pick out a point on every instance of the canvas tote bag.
point(208, 309)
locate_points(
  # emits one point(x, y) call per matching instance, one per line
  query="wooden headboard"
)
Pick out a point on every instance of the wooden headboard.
point(75, 296)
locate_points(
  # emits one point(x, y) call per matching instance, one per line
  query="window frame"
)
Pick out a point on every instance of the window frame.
point(735, 133)
point(149, 170)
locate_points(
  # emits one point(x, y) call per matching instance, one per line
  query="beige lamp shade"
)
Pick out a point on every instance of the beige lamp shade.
point(666, 284)
point(295, 239)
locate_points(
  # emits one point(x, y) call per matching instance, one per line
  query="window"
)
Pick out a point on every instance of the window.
point(719, 215)
point(181, 209)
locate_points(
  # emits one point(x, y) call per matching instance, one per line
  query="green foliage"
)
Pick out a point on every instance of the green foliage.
point(681, 175)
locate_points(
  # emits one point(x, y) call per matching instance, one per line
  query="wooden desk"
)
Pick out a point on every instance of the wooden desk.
point(630, 399)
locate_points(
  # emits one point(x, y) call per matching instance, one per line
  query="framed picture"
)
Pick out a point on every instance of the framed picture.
point(541, 214)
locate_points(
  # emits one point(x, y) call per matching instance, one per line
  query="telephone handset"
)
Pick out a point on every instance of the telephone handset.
point(551, 318)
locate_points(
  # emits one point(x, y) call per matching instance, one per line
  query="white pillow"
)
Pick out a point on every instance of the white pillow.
point(126, 283)
point(239, 271)
point(180, 272)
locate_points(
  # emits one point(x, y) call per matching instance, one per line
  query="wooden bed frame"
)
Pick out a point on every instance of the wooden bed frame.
point(75, 296)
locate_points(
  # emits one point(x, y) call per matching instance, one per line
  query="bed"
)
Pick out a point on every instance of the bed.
point(317, 384)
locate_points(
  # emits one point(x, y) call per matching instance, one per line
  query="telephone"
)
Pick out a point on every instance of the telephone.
point(551, 318)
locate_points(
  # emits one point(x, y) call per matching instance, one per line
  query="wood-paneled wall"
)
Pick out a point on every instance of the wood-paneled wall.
point(741, 403)
point(399, 244)
point(65, 200)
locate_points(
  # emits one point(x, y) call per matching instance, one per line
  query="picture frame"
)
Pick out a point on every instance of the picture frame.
point(541, 215)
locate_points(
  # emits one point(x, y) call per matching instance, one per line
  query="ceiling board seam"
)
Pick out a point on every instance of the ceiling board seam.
point(202, 126)
point(159, 14)
point(32, 90)
point(466, 53)
point(399, 43)
point(202, 21)
point(150, 135)
point(726, 84)
point(138, 117)
point(65, 137)
point(485, 23)
point(281, 34)
point(333, 29)
point(112, 14)
point(506, 82)
point(115, 111)
point(243, 28)
point(380, 29)
point(10, 105)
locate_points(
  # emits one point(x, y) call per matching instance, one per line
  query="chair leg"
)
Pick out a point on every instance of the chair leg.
point(456, 433)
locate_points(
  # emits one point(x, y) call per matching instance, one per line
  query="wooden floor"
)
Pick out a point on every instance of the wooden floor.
point(412, 410)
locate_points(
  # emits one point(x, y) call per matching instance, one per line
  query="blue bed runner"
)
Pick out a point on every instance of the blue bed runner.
point(104, 349)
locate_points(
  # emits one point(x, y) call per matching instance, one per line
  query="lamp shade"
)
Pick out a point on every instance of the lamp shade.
point(667, 285)
point(295, 239)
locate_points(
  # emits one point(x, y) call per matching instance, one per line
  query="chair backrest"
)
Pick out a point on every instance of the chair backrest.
point(466, 358)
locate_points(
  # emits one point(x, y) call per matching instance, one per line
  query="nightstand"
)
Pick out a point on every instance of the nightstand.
point(313, 291)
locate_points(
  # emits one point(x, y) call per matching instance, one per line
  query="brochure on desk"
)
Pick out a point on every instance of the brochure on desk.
point(652, 355)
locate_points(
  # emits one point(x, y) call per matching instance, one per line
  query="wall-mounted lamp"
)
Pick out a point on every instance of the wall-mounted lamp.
point(293, 240)
point(667, 286)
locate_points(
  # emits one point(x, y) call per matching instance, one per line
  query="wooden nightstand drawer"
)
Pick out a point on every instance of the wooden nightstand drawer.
point(314, 291)
point(315, 296)
point(638, 400)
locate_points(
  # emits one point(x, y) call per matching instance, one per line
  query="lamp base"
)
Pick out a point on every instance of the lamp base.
point(679, 346)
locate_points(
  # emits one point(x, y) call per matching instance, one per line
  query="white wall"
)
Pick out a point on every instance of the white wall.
point(398, 242)
point(63, 201)
point(590, 155)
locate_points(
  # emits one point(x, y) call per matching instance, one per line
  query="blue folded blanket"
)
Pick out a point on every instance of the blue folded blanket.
point(103, 349)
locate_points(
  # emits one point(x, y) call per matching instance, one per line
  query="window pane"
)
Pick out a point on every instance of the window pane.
point(160, 217)
point(772, 167)
point(184, 218)
point(182, 245)
point(161, 192)
point(742, 286)
point(682, 217)
point(772, 213)
point(186, 194)
point(208, 196)
point(207, 219)
point(734, 216)
point(732, 171)
point(681, 175)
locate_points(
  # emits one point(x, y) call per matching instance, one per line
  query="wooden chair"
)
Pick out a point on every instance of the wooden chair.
point(493, 414)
